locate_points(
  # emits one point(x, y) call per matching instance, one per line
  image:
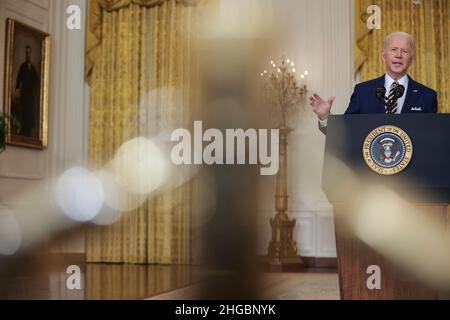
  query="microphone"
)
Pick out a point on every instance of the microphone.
point(399, 91)
point(381, 95)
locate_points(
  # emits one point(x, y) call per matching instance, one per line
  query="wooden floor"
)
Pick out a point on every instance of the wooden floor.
point(273, 286)
point(99, 282)
point(120, 281)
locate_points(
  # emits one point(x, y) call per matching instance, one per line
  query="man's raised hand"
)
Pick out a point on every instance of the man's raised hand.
point(320, 106)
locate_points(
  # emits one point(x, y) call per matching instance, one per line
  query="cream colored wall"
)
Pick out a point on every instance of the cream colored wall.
point(23, 169)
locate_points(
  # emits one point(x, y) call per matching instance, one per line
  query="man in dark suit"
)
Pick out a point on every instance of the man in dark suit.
point(27, 92)
point(398, 55)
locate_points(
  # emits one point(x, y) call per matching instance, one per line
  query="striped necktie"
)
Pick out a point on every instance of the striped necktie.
point(392, 101)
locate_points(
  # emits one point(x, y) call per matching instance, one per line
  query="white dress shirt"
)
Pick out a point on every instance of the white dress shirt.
point(404, 81)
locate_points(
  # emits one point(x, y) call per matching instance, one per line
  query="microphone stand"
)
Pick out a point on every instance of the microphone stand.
point(381, 95)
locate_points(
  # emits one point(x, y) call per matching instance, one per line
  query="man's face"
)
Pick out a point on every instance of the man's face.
point(398, 56)
point(28, 54)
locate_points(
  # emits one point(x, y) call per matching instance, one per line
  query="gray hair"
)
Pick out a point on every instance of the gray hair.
point(403, 34)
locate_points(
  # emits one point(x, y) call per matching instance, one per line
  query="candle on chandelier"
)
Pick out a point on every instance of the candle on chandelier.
point(305, 77)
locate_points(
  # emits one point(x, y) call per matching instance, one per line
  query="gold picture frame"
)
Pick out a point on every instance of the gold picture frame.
point(26, 89)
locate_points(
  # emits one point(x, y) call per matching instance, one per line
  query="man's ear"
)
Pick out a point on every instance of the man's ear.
point(383, 55)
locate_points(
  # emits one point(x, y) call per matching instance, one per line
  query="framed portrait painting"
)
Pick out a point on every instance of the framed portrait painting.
point(27, 59)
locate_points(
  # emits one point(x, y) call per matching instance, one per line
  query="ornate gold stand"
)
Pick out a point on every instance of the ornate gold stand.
point(282, 253)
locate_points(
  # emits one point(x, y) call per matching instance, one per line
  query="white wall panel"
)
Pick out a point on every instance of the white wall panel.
point(23, 169)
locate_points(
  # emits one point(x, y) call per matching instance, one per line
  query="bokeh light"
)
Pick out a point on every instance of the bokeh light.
point(10, 234)
point(79, 194)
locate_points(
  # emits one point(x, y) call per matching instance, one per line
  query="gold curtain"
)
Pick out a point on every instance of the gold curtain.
point(95, 32)
point(139, 65)
point(428, 22)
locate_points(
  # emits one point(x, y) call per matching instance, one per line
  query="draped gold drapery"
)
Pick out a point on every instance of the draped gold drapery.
point(428, 22)
point(140, 71)
point(97, 10)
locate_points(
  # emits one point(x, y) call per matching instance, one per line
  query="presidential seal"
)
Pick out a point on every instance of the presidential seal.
point(387, 150)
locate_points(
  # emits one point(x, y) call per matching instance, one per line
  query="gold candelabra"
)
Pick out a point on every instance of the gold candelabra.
point(284, 96)
point(283, 93)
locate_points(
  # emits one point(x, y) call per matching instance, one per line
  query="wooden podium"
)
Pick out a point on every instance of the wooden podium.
point(423, 182)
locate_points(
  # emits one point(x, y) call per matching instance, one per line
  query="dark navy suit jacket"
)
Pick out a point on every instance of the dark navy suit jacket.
point(419, 99)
